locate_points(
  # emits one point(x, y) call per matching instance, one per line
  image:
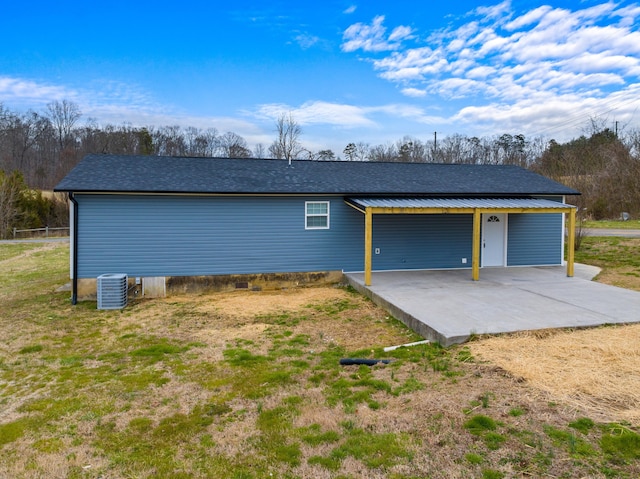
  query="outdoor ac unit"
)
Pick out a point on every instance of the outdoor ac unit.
point(112, 291)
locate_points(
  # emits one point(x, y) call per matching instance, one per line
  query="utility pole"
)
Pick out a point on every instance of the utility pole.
point(435, 145)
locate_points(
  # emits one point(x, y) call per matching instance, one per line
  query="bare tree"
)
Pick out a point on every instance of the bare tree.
point(234, 146)
point(9, 195)
point(362, 151)
point(386, 152)
point(287, 146)
point(169, 141)
point(259, 151)
point(63, 116)
point(18, 136)
point(632, 142)
point(201, 142)
point(451, 149)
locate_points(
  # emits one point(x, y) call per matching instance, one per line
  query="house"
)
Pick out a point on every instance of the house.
point(167, 219)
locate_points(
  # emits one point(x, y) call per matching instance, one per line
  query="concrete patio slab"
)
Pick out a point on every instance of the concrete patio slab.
point(448, 307)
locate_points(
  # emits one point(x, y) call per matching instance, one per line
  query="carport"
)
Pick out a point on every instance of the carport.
point(473, 206)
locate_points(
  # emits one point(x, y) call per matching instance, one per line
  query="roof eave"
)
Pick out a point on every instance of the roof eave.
point(320, 193)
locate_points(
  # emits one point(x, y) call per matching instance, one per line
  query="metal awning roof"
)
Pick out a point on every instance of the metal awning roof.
point(484, 203)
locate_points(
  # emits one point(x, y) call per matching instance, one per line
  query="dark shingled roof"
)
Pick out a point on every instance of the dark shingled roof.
point(157, 174)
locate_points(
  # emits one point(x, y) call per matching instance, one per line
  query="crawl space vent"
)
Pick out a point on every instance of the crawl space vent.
point(112, 291)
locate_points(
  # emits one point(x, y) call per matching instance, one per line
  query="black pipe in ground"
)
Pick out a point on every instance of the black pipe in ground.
point(368, 362)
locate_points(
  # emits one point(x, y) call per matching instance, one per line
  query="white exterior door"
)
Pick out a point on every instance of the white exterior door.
point(493, 239)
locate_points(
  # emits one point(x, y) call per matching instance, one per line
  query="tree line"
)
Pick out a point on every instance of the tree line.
point(604, 167)
point(45, 145)
point(37, 149)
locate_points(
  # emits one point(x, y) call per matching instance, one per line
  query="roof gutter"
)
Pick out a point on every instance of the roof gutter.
point(74, 280)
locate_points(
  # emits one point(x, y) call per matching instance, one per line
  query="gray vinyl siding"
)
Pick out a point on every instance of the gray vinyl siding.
point(206, 235)
point(422, 241)
point(534, 239)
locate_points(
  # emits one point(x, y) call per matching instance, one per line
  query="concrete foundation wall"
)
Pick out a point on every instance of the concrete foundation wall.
point(160, 286)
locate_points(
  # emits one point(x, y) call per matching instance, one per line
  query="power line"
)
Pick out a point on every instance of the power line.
point(583, 117)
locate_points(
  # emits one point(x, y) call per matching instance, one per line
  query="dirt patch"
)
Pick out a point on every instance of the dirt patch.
point(597, 370)
point(248, 304)
point(356, 323)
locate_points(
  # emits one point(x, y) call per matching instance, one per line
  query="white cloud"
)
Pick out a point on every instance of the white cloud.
point(106, 101)
point(456, 39)
point(496, 55)
point(492, 43)
point(414, 92)
point(350, 9)
point(545, 114)
point(494, 11)
point(459, 87)
point(500, 67)
point(109, 102)
point(371, 38)
point(23, 91)
point(480, 72)
point(319, 112)
point(528, 18)
point(398, 110)
point(339, 114)
point(306, 40)
point(596, 12)
point(400, 33)
point(414, 64)
point(602, 62)
point(628, 15)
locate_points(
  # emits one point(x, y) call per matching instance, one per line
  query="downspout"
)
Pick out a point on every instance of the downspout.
point(74, 281)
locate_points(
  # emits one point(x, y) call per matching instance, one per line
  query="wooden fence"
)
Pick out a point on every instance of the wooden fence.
point(46, 231)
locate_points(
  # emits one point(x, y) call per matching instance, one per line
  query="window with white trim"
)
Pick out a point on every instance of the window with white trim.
point(316, 215)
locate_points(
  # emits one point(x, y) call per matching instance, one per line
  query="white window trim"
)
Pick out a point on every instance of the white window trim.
point(307, 215)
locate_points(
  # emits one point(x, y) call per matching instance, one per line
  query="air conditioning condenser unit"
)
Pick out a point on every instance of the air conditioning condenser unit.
point(112, 291)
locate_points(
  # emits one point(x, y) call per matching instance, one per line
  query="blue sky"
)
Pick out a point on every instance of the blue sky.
point(368, 72)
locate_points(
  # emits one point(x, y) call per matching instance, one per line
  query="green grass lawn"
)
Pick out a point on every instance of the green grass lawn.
point(182, 388)
point(614, 224)
point(618, 257)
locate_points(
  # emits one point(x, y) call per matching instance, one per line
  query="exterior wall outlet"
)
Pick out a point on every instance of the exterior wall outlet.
point(377, 250)
point(138, 281)
point(464, 260)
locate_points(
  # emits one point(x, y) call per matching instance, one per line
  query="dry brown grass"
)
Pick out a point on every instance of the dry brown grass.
point(597, 370)
point(623, 277)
